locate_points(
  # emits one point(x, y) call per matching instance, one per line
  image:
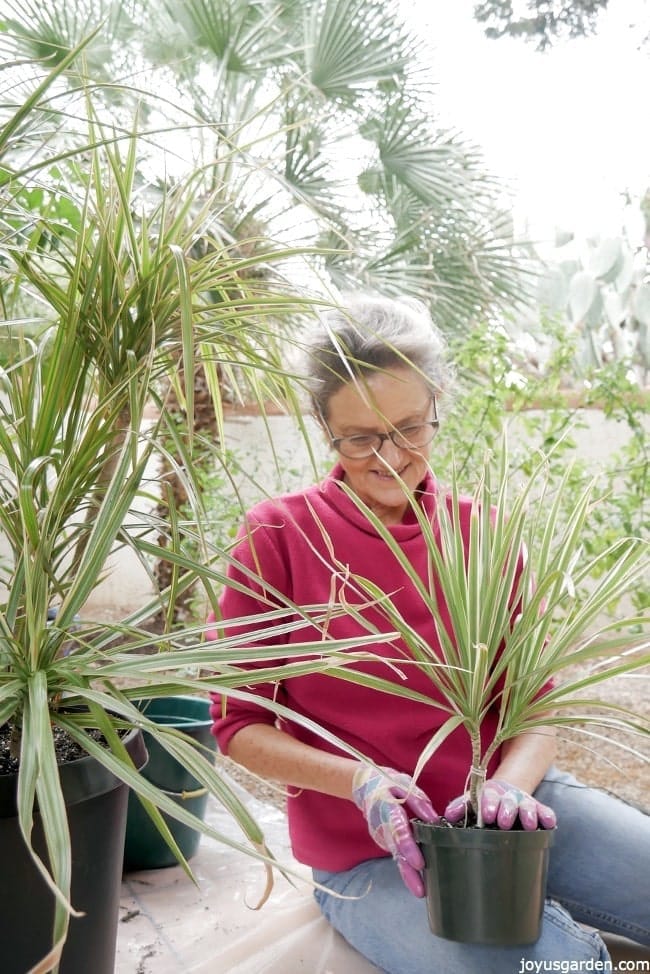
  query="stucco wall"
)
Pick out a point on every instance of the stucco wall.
point(286, 466)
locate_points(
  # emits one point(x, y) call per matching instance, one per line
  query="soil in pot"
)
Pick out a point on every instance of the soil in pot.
point(484, 886)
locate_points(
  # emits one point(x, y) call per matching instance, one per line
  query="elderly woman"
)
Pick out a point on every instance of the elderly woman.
point(376, 377)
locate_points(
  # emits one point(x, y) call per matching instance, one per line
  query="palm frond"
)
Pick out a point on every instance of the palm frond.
point(352, 44)
point(242, 34)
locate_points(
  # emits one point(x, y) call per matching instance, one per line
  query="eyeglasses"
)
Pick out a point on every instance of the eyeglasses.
point(364, 445)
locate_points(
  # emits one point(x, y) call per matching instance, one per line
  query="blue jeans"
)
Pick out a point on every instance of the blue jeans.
point(599, 874)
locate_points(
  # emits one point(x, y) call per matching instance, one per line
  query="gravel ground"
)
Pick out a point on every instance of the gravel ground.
point(605, 764)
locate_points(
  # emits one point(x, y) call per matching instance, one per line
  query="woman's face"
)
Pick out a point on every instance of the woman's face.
point(385, 401)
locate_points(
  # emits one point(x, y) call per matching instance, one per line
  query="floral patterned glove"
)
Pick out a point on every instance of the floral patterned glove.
point(384, 797)
point(502, 803)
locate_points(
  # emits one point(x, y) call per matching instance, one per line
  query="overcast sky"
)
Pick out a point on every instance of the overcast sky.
point(569, 127)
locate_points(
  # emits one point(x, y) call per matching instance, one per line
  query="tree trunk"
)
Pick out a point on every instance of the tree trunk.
point(172, 489)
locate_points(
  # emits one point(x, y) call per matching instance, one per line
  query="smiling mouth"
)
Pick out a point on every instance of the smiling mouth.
point(386, 475)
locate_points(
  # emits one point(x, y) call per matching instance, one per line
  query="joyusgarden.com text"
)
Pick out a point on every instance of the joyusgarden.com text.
point(566, 966)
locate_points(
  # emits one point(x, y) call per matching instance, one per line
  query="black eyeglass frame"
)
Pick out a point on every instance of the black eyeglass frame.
point(335, 441)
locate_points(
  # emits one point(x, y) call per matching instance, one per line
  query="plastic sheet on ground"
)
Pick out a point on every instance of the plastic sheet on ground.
point(169, 925)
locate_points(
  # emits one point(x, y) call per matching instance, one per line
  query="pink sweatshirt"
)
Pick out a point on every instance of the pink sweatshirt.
point(283, 543)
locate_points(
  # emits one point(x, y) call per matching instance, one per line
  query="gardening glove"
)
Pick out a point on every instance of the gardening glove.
point(384, 797)
point(502, 802)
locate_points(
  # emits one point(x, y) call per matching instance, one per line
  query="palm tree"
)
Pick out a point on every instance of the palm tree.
point(327, 101)
point(312, 124)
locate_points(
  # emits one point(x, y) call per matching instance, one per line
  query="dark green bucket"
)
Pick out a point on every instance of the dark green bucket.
point(484, 886)
point(144, 847)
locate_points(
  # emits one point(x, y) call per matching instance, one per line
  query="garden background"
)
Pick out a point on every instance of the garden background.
point(198, 178)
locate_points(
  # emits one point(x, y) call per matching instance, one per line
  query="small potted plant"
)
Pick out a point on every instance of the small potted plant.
point(517, 633)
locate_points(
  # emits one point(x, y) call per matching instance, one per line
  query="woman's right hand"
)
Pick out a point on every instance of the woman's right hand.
point(383, 797)
point(504, 804)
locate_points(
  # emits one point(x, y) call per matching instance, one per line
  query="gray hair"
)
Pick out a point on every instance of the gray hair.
point(368, 334)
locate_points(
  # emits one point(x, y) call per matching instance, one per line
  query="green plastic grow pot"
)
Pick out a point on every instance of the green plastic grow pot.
point(484, 886)
point(144, 847)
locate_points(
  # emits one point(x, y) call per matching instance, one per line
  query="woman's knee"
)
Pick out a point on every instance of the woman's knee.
point(385, 924)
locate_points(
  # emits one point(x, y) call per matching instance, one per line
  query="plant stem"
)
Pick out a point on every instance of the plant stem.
point(121, 426)
point(476, 778)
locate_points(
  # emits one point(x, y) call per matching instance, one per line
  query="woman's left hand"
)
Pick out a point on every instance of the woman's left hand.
point(502, 803)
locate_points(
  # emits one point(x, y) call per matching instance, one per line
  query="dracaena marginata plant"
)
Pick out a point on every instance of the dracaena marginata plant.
point(518, 637)
point(77, 674)
point(120, 299)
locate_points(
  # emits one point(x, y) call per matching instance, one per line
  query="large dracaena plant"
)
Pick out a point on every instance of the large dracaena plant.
point(518, 637)
point(119, 299)
point(84, 676)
